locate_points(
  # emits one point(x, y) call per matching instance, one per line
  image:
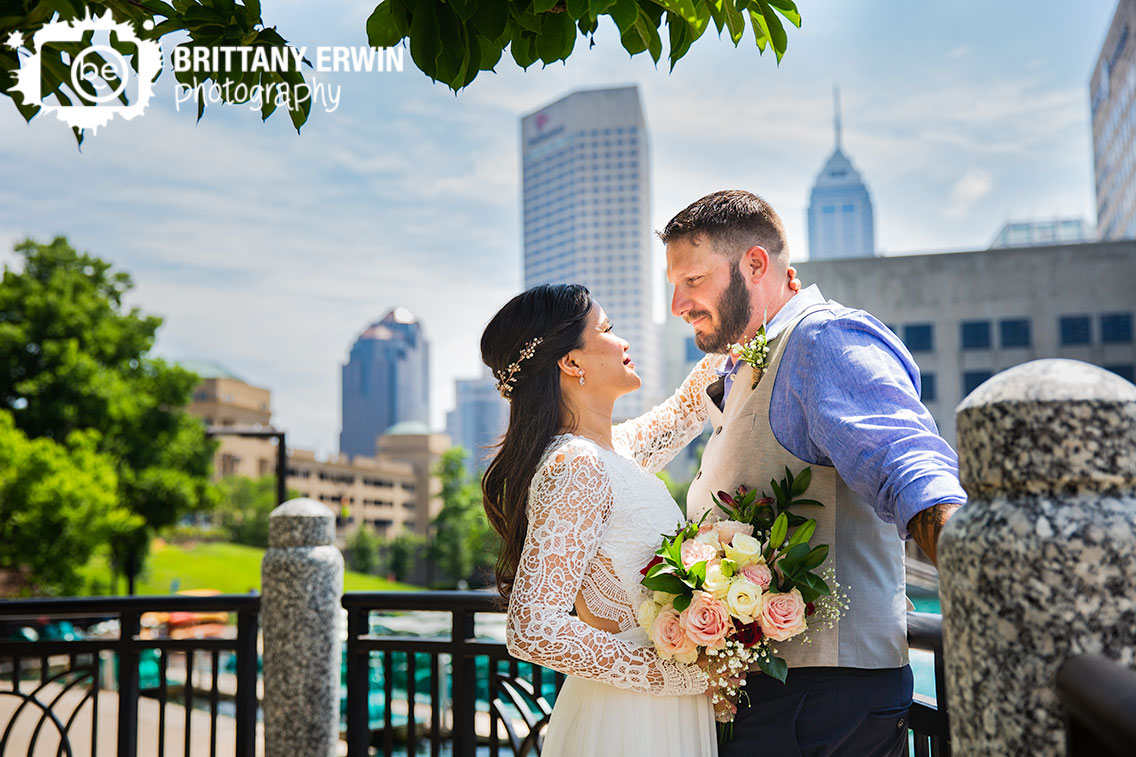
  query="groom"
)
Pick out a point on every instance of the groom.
point(839, 394)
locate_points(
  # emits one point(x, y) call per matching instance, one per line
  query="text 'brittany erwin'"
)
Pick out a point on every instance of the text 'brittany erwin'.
point(260, 58)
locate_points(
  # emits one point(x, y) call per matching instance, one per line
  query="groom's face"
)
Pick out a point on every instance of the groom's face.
point(710, 294)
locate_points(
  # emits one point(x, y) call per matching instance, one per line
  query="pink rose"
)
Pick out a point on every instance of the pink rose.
point(759, 573)
point(706, 620)
point(670, 637)
point(782, 615)
point(696, 551)
point(727, 529)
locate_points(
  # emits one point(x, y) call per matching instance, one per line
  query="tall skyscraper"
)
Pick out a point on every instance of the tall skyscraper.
point(1113, 104)
point(841, 221)
point(479, 418)
point(587, 215)
point(386, 381)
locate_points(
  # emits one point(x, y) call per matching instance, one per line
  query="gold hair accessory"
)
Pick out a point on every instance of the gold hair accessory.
point(507, 377)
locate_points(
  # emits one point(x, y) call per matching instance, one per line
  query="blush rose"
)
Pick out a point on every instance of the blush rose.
point(782, 615)
point(706, 620)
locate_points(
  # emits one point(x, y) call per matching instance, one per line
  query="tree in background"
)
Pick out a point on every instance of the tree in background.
point(363, 555)
point(464, 547)
point(77, 360)
point(403, 553)
point(244, 506)
point(58, 503)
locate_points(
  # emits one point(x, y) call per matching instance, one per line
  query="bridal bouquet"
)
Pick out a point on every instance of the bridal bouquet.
point(723, 591)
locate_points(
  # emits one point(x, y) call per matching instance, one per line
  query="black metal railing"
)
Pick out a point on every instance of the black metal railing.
point(1099, 697)
point(929, 721)
point(54, 684)
point(466, 670)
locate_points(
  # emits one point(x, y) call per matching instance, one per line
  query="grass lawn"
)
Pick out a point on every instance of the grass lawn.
point(229, 568)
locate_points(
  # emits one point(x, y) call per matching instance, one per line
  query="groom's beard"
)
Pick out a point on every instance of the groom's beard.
point(733, 315)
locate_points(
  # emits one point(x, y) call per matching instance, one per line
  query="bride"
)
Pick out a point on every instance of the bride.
point(580, 511)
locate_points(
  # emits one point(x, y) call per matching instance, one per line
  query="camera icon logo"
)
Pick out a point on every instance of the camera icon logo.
point(102, 82)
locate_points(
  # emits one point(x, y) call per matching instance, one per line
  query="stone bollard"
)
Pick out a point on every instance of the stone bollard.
point(302, 586)
point(1040, 565)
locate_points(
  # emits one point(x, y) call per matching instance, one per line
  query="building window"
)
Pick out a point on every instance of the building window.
point(1116, 328)
point(919, 337)
point(1015, 332)
point(1125, 371)
point(971, 380)
point(1075, 329)
point(929, 387)
point(975, 335)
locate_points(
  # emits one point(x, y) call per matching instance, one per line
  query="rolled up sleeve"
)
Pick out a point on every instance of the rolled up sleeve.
point(857, 389)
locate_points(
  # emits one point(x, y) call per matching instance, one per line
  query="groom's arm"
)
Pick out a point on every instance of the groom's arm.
point(926, 526)
point(847, 396)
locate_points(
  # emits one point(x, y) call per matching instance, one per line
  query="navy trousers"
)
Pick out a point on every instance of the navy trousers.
point(823, 712)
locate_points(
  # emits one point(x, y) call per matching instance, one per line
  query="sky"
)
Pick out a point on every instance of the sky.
point(269, 251)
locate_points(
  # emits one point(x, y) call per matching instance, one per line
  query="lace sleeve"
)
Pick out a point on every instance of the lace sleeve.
point(569, 504)
point(654, 438)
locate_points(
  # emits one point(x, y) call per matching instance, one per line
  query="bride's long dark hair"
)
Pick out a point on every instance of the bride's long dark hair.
point(556, 314)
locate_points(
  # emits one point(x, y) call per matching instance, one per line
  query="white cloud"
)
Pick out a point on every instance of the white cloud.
point(969, 189)
point(958, 52)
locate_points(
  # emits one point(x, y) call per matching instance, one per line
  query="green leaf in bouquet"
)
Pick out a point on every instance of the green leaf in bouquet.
point(816, 583)
point(815, 557)
point(698, 573)
point(657, 569)
point(773, 666)
point(668, 582)
point(802, 481)
point(681, 602)
point(796, 520)
point(807, 594)
point(749, 497)
point(777, 534)
point(787, 482)
point(778, 493)
point(803, 533)
point(808, 502)
point(729, 567)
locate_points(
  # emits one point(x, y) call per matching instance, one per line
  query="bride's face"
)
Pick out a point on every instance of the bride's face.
point(604, 358)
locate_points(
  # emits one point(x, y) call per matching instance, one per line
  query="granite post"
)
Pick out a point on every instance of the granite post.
point(302, 586)
point(1040, 565)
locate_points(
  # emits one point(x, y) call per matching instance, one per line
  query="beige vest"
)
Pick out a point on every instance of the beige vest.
point(866, 552)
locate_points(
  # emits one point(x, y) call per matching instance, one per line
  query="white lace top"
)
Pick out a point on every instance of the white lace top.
point(595, 519)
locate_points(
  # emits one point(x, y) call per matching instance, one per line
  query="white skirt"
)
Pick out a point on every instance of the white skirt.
point(593, 718)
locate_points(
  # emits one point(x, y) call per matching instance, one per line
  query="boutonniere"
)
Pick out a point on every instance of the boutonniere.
point(754, 353)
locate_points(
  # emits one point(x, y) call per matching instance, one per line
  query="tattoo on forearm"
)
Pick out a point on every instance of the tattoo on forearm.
point(926, 526)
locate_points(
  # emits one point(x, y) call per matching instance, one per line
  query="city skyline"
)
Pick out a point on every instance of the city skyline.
point(269, 255)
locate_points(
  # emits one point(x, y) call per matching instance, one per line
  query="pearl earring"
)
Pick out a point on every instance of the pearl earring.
point(581, 378)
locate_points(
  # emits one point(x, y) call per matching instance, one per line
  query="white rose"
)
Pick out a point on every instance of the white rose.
point(648, 610)
point(710, 537)
point(744, 599)
point(663, 598)
point(743, 550)
point(717, 583)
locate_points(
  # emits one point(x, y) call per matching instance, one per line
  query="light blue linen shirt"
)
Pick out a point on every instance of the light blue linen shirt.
point(847, 396)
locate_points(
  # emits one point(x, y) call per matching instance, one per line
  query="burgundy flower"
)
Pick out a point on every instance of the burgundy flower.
point(748, 634)
point(810, 608)
point(742, 490)
point(765, 501)
point(726, 499)
point(654, 561)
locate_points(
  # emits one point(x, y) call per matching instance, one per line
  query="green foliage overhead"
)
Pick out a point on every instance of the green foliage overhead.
point(451, 41)
point(77, 360)
point(58, 503)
